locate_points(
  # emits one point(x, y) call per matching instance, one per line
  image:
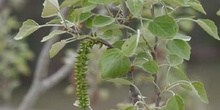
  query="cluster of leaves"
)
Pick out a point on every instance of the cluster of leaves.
point(129, 47)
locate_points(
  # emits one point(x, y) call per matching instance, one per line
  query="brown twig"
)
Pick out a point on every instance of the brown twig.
point(154, 54)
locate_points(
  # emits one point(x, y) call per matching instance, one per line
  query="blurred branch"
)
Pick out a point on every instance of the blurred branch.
point(40, 85)
point(42, 64)
point(59, 75)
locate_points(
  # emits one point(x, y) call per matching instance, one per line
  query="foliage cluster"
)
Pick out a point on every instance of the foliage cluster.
point(11, 66)
point(145, 35)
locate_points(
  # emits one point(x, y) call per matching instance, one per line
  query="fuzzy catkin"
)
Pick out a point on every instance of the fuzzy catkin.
point(81, 69)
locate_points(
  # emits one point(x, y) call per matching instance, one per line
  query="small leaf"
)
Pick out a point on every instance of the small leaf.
point(209, 26)
point(176, 75)
point(200, 91)
point(66, 3)
point(56, 48)
point(52, 34)
point(182, 37)
point(135, 6)
point(177, 2)
point(102, 1)
point(87, 6)
point(51, 8)
point(27, 28)
point(130, 108)
point(130, 45)
point(163, 27)
point(113, 64)
point(118, 44)
point(74, 15)
point(89, 23)
point(175, 103)
point(140, 59)
point(85, 16)
point(218, 12)
point(195, 4)
point(151, 67)
point(179, 47)
point(101, 21)
point(174, 60)
point(120, 81)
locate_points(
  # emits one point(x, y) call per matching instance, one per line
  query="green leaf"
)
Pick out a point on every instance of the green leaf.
point(195, 4)
point(120, 81)
point(130, 45)
point(102, 1)
point(180, 48)
point(89, 23)
point(151, 67)
point(101, 21)
point(135, 6)
point(163, 27)
point(56, 48)
point(209, 26)
point(66, 3)
point(218, 12)
point(131, 108)
point(52, 34)
point(182, 37)
point(176, 75)
point(74, 15)
point(113, 64)
point(200, 91)
point(85, 16)
point(175, 103)
point(177, 2)
point(174, 60)
point(140, 59)
point(27, 28)
point(51, 8)
point(87, 6)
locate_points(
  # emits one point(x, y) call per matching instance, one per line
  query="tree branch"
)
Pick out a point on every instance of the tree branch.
point(59, 75)
point(42, 64)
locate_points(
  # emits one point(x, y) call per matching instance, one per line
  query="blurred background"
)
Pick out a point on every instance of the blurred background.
point(19, 59)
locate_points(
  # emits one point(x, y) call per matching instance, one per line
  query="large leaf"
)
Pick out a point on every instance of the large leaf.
point(180, 48)
point(200, 90)
point(51, 8)
point(27, 28)
point(176, 75)
point(102, 1)
point(209, 26)
point(163, 27)
point(52, 34)
point(101, 21)
point(135, 6)
point(175, 103)
point(174, 60)
point(113, 64)
point(130, 45)
point(151, 67)
point(56, 48)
